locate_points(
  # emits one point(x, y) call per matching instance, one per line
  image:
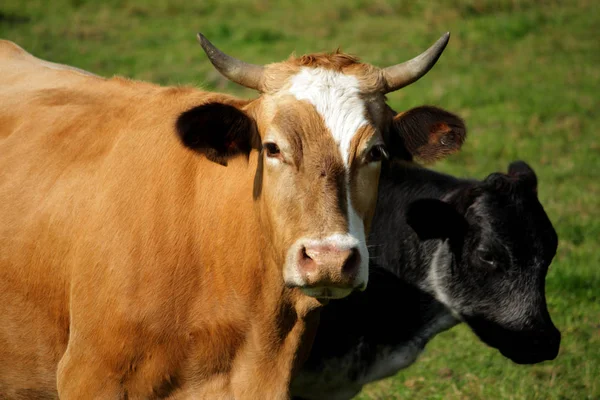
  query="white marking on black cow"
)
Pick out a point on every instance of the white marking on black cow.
point(440, 262)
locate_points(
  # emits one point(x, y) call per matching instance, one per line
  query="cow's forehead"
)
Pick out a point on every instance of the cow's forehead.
point(518, 218)
point(338, 100)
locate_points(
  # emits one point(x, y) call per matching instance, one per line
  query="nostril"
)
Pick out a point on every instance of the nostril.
point(303, 255)
point(351, 264)
point(305, 261)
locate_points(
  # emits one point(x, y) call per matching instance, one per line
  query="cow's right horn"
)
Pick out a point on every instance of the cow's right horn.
point(398, 76)
point(245, 74)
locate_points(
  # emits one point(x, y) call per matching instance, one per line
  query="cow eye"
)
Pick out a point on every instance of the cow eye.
point(486, 257)
point(376, 154)
point(271, 149)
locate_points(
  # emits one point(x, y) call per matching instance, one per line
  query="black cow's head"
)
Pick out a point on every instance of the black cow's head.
point(490, 269)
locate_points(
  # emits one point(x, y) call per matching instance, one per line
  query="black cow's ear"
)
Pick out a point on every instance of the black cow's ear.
point(427, 133)
point(219, 131)
point(435, 219)
point(522, 171)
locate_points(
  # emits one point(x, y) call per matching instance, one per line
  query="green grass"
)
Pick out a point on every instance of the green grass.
point(524, 74)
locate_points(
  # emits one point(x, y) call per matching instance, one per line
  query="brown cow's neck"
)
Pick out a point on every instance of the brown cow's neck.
point(247, 282)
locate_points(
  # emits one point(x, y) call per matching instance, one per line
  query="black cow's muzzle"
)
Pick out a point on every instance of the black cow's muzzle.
point(532, 347)
point(527, 346)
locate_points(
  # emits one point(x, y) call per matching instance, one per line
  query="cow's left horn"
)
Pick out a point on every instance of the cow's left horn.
point(245, 74)
point(400, 75)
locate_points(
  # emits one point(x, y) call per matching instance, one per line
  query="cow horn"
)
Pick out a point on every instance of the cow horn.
point(245, 74)
point(400, 75)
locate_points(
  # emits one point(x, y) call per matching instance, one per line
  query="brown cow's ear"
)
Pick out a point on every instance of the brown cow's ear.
point(426, 133)
point(219, 131)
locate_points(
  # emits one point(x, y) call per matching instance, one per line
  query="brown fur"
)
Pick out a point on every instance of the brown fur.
point(133, 268)
point(337, 60)
point(370, 76)
point(427, 133)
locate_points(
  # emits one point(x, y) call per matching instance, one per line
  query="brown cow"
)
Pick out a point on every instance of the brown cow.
point(167, 242)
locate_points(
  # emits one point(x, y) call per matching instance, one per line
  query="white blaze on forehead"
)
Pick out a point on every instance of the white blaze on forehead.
point(336, 97)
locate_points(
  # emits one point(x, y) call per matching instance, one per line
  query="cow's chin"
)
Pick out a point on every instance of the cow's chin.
point(326, 293)
point(521, 347)
point(529, 357)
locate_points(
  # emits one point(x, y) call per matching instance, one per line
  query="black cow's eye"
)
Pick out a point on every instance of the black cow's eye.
point(377, 153)
point(486, 257)
point(271, 149)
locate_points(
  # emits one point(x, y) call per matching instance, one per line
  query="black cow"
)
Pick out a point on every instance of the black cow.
point(445, 251)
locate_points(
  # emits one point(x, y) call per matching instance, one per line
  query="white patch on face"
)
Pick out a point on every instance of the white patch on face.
point(338, 240)
point(357, 230)
point(337, 98)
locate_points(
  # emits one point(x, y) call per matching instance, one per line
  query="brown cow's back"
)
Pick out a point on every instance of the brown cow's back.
point(36, 175)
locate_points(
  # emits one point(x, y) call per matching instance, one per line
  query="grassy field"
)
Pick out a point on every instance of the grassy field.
point(524, 73)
